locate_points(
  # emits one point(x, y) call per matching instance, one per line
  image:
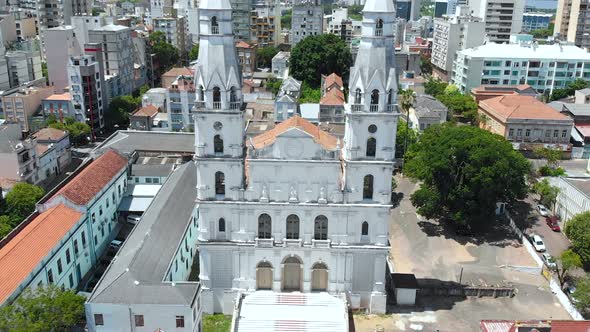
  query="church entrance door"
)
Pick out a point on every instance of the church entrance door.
point(292, 274)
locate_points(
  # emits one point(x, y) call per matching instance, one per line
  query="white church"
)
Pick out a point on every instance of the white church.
point(294, 209)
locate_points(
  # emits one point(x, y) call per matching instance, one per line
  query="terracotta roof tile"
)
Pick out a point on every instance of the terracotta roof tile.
point(20, 256)
point(520, 107)
point(182, 71)
point(333, 97)
point(321, 137)
point(63, 97)
point(333, 79)
point(243, 44)
point(50, 134)
point(149, 110)
point(90, 181)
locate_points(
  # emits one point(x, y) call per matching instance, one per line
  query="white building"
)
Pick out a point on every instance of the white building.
point(60, 45)
point(502, 17)
point(180, 102)
point(175, 30)
point(84, 23)
point(573, 197)
point(307, 20)
point(23, 67)
point(280, 64)
point(427, 112)
point(543, 67)
point(265, 224)
point(450, 35)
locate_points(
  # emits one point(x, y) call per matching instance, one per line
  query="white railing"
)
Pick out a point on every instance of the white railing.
point(378, 32)
point(357, 107)
point(235, 105)
point(215, 30)
point(265, 243)
point(374, 108)
point(292, 243)
point(216, 105)
point(321, 243)
point(391, 108)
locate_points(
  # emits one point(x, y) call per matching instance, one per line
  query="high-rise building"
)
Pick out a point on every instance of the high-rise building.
point(572, 22)
point(175, 30)
point(502, 17)
point(536, 21)
point(84, 23)
point(60, 44)
point(263, 26)
point(241, 11)
point(307, 20)
point(451, 34)
point(23, 67)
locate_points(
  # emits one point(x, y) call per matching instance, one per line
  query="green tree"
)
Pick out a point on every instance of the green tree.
point(273, 85)
point(286, 19)
point(5, 226)
point(22, 198)
point(407, 98)
point(425, 65)
point(547, 192)
point(166, 54)
point(464, 171)
point(404, 134)
point(309, 94)
point(459, 104)
point(578, 231)
point(582, 295)
point(435, 87)
point(43, 309)
point(569, 90)
point(355, 12)
point(44, 71)
point(79, 132)
point(119, 110)
point(320, 55)
point(193, 54)
point(568, 261)
point(552, 155)
point(264, 56)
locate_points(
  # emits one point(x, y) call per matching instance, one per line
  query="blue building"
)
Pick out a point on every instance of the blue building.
point(535, 21)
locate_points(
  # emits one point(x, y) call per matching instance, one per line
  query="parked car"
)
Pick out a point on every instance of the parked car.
point(553, 223)
point(538, 243)
point(133, 219)
point(543, 210)
point(115, 244)
point(549, 261)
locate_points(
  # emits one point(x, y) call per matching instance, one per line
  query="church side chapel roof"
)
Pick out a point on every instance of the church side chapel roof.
point(321, 137)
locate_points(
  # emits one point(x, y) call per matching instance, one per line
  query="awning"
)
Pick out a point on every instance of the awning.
point(134, 204)
point(576, 136)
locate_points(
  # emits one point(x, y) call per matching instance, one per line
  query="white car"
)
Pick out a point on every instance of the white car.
point(549, 261)
point(538, 243)
point(543, 210)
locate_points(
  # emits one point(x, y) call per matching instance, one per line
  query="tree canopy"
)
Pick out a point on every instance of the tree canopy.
point(193, 54)
point(21, 200)
point(403, 135)
point(264, 56)
point(286, 19)
point(309, 94)
point(578, 231)
point(568, 261)
point(464, 171)
point(546, 191)
point(320, 55)
point(273, 85)
point(78, 131)
point(451, 97)
point(166, 54)
point(569, 90)
point(119, 110)
point(582, 295)
point(425, 65)
point(43, 309)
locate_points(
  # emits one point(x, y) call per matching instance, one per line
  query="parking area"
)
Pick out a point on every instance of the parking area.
point(555, 242)
point(429, 250)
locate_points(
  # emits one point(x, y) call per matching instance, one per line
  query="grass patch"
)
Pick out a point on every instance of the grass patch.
point(216, 323)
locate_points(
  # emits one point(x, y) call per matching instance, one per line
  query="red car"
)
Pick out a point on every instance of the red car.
point(553, 223)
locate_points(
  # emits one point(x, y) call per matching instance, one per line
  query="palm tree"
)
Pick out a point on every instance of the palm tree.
point(407, 98)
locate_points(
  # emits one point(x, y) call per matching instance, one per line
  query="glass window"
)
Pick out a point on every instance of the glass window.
point(68, 257)
point(179, 321)
point(139, 320)
point(98, 320)
point(59, 267)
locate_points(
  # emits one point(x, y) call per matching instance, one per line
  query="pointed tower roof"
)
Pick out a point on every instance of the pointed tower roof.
point(215, 4)
point(376, 6)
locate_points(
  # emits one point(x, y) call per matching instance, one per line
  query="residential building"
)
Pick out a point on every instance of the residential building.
point(59, 105)
point(343, 26)
point(68, 232)
point(287, 101)
point(22, 104)
point(543, 67)
point(156, 97)
point(57, 140)
point(307, 20)
point(117, 48)
point(247, 57)
point(76, 8)
point(84, 23)
point(582, 96)
point(571, 22)
point(526, 122)
point(491, 91)
point(181, 99)
point(263, 26)
point(143, 118)
point(452, 34)
point(49, 13)
point(60, 44)
point(87, 88)
point(573, 197)
point(150, 174)
point(241, 19)
point(502, 17)
point(26, 27)
point(23, 67)
point(280, 64)
point(8, 28)
point(161, 8)
point(427, 112)
point(151, 284)
point(175, 29)
point(403, 9)
point(281, 226)
point(170, 76)
point(536, 21)
point(332, 102)
point(18, 157)
point(580, 113)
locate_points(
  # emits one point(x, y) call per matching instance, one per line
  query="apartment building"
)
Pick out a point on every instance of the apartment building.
point(23, 67)
point(23, 103)
point(247, 57)
point(343, 26)
point(181, 98)
point(543, 67)
point(280, 64)
point(176, 31)
point(84, 23)
point(307, 20)
point(60, 44)
point(452, 34)
point(241, 19)
point(262, 26)
point(117, 56)
point(572, 22)
point(59, 105)
point(18, 157)
point(502, 17)
point(536, 21)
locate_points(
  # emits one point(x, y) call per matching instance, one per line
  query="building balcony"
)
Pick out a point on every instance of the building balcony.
point(235, 105)
point(378, 32)
point(374, 108)
point(264, 243)
point(292, 243)
point(215, 30)
point(216, 105)
point(391, 108)
point(357, 108)
point(321, 243)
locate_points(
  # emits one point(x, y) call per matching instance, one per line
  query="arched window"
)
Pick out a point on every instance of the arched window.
point(216, 94)
point(292, 227)
point(217, 144)
point(320, 229)
point(219, 183)
point(390, 97)
point(365, 228)
point(201, 93)
point(375, 97)
point(368, 187)
point(232, 95)
point(371, 147)
point(357, 96)
point(214, 26)
point(319, 277)
point(379, 28)
point(221, 226)
point(264, 226)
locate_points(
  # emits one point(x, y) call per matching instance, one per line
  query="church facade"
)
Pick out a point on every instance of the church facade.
point(295, 208)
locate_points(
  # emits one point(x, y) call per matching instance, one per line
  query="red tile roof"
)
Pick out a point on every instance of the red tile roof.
point(243, 44)
point(149, 110)
point(321, 137)
point(520, 107)
point(182, 71)
point(20, 256)
point(90, 181)
point(60, 97)
point(333, 97)
point(333, 79)
point(50, 134)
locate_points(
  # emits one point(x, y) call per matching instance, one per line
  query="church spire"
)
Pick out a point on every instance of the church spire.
point(377, 6)
point(215, 4)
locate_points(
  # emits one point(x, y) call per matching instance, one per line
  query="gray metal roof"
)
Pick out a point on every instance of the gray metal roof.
point(428, 106)
point(128, 142)
point(159, 170)
point(136, 274)
point(577, 109)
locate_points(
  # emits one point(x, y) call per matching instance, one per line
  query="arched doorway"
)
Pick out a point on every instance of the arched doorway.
point(292, 271)
point(319, 277)
point(264, 275)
